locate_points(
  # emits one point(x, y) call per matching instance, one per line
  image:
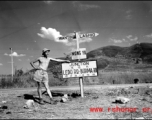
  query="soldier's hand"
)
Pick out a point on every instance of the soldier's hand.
point(68, 61)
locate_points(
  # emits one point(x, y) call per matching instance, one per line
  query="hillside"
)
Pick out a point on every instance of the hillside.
point(141, 50)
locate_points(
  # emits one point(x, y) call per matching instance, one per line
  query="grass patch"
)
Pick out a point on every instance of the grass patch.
point(111, 77)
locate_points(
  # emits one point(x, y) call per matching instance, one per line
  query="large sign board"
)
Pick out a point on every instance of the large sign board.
point(79, 54)
point(79, 69)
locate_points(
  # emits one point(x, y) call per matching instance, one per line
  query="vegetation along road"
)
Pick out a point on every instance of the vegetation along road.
point(86, 87)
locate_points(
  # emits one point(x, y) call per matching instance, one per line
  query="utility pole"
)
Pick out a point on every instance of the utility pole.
point(12, 61)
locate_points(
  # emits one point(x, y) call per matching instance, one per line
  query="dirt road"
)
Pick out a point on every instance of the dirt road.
point(96, 96)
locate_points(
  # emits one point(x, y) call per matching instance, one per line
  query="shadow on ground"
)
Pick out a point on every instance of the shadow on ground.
point(54, 94)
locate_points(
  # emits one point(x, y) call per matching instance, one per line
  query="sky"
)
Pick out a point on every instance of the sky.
point(29, 26)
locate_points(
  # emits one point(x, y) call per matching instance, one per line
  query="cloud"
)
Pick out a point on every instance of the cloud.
point(1, 64)
point(128, 14)
point(73, 43)
point(19, 60)
point(128, 17)
point(128, 11)
point(124, 40)
point(116, 40)
point(6, 54)
point(28, 59)
point(130, 37)
point(82, 40)
point(53, 34)
point(15, 54)
point(85, 7)
point(149, 36)
point(48, 2)
point(134, 39)
point(82, 7)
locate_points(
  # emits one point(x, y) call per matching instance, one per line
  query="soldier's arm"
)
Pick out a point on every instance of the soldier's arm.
point(59, 60)
point(33, 64)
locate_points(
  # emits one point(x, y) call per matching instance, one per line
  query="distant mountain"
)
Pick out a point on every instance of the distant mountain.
point(141, 50)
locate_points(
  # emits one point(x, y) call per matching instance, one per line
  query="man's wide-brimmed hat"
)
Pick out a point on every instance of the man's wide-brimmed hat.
point(45, 49)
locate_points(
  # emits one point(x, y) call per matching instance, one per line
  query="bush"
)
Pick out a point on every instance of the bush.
point(17, 82)
point(111, 77)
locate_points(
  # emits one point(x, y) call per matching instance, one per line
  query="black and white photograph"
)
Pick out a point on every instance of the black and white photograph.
point(75, 59)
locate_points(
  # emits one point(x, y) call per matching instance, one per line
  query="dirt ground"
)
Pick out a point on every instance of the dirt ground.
point(11, 104)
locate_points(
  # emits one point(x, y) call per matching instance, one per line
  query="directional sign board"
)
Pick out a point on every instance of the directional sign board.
point(79, 69)
point(79, 54)
point(63, 38)
point(88, 35)
point(73, 36)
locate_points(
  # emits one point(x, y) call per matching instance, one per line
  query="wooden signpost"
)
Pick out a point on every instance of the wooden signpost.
point(80, 69)
point(80, 78)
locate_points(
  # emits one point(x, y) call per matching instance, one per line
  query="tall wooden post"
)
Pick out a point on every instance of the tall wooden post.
point(80, 78)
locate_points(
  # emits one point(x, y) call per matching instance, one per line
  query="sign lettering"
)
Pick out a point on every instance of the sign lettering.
point(67, 37)
point(79, 69)
point(63, 38)
point(79, 54)
point(88, 35)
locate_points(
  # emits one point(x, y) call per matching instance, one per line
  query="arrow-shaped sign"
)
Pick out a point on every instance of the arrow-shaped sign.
point(73, 36)
point(88, 35)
